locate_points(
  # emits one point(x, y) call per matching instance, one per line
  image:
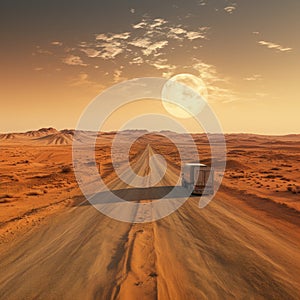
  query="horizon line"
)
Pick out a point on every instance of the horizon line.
point(150, 131)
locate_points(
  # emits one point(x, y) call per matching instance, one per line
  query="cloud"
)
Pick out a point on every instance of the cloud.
point(161, 64)
point(121, 36)
point(39, 50)
point(150, 36)
point(154, 47)
point(254, 77)
point(157, 23)
point(201, 3)
point(261, 95)
point(74, 60)
point(101, 36)
point(82, 80)
point(206, 71)
point(112, 36)
point(38, 69)
point(117, 76)
point(150, 24)
point(271, 45)
point(136, 60)
point(132, 10)
point(91, 52)
point(176, 33)
point(110, 50)
point(218, 86)
point(109, 45)
point(230, 9)
point(149, 43)
point(159, 27)
point(141, 42)
point(139, 25)
point(177, 30)
point(192, 35)
point(167, 74)
point(222, 94)
point(179, 33)
point(56, 43)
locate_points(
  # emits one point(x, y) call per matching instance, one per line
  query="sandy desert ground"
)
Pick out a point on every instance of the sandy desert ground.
point(243, 245)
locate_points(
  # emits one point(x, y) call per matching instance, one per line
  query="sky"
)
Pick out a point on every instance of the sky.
point(57, 56)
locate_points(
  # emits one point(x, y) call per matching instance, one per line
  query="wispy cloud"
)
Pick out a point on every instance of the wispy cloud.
point(110, 50)
point(40, 50)
point(148, 43)
point(154, 47)
point(150, 24)
point(113, 36)
point(274, 46)
point(230, 9)
point(141, 42)
point(74, 60)
point(206, 71)
point(56, 43)
point(83, 80)
point(136, 61)
point(201, 2)
point(254, 77)
point(177, 30)
point(161, 64)
point(192, 35)
point(160, 27)
point(91, 52)
point(261, 95)
point(218, 86)
point(157, 23)
point(140, 25)
point(167, 74)
point(117, 75)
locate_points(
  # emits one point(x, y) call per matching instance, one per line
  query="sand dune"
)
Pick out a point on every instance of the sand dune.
point(232, 164)
point(41, 132)
point(8, 136)
point(55, 139)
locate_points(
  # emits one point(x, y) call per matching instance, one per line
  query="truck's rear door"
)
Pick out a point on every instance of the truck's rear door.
point(201, 176)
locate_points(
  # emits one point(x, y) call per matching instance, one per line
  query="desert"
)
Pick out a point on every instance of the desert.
point(54, 244)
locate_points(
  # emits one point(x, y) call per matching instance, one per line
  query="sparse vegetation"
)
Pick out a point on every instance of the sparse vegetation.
point(66, 169)
point(293, 189)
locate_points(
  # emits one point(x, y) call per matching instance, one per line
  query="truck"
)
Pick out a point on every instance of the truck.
point(197, 177)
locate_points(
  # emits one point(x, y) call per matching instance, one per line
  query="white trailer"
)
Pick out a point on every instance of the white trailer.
point(197, 177)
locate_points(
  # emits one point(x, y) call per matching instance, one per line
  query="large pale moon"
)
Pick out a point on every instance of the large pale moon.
point(189, 96)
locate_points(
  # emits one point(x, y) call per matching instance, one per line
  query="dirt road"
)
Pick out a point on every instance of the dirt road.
point(229, 250)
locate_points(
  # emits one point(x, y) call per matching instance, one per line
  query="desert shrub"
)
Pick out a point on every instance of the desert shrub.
point(66, 169)
point(285, 179)
point(293, 189)
point(34, 193)
point(270, 176)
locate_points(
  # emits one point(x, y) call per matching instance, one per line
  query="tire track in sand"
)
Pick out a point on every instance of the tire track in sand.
point(137, 275)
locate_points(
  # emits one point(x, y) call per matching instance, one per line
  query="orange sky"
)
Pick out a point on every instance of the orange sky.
point(246, 53)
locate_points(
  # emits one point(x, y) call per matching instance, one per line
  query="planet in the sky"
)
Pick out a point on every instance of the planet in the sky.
point(188, 94)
